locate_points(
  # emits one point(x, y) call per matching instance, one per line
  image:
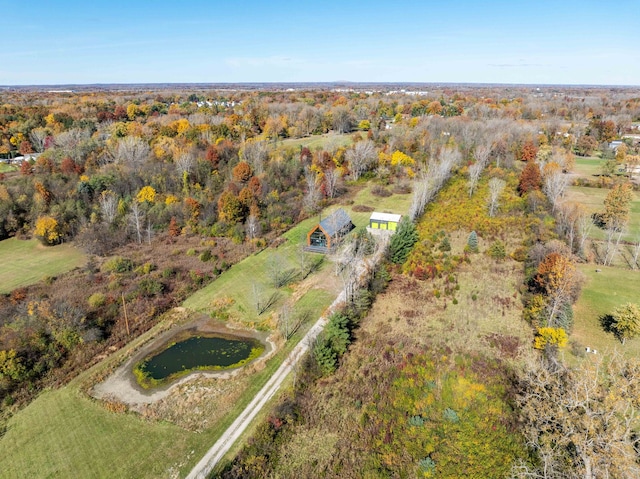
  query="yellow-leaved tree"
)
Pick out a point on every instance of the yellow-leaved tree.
point(147, 193)
point(47, 230)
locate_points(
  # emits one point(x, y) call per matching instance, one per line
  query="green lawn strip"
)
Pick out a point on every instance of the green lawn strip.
point(4, 168)
point(27, 262)
point(593, 200)
point(601, 293)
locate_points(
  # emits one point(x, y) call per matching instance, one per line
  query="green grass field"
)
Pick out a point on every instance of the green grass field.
point(27, 262)
point(63, 434)
point(601, 293)
point(593, 200)
point(588, 166)
point(319, 141)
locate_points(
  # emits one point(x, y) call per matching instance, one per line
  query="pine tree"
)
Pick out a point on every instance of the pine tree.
point(403, 240)
point(472, 242)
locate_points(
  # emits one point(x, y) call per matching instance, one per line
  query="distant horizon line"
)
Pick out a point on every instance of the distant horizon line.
point(254, 84)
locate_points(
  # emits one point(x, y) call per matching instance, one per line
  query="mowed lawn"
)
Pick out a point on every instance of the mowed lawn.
point(24, 262)
point(593, 200)
point(63, 434)
point(253, 275)
point(601, 293)
point(588, 166)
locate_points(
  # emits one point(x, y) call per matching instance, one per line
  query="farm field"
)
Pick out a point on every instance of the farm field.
point(601, 293)
point(26, 262)
point(593, 200)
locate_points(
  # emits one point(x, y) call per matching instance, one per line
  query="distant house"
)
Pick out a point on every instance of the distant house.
point(615, 144)
point(325, 236)
point(384, 221)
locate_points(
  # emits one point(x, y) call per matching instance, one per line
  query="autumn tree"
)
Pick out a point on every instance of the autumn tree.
point(625, 321)
point(585, 145)
point(146, 194)
point(230, 209)
point(617, 205)
point(529, 151)
point(530, 178)
point(559, 279)
point(242, 172)
point(47, 230)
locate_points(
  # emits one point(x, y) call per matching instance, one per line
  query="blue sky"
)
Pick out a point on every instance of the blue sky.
point(534, 42)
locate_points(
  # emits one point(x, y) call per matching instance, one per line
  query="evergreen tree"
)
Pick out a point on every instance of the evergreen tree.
point(403, 240)
point(472, 242)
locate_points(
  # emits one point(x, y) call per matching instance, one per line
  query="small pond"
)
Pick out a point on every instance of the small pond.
point(202, 352)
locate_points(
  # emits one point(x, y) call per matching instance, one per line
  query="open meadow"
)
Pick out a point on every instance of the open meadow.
point(26, 262)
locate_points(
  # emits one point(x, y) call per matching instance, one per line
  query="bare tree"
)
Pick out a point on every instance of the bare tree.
point(475, 171)
point(580, 422)
point(308, 119)
point(73, 142)
point(429, 183)
point(313, 195)
point(332, 179)
point(252, 227)
point(635, 253)
point(612, 244)
point(496, 186)
point(341, 119)
point(132, 151)
point(108, 201)
point(185, 163)
point(361, 157)
point(554, 184)
point(136, 220)
point(256, 153)
point(38, 137)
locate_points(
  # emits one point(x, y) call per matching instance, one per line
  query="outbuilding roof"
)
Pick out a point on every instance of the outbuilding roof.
point(375, 216)
point(333, 223)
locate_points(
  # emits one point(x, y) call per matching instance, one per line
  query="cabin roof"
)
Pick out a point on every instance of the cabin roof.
point(375, 216)
point(333, 223)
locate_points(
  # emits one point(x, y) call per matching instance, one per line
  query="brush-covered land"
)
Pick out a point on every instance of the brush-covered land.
point(497, 338)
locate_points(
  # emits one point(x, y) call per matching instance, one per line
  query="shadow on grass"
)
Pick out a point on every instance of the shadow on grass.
point(608, 322)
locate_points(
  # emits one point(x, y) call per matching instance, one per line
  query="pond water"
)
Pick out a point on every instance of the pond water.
point(201, 352)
